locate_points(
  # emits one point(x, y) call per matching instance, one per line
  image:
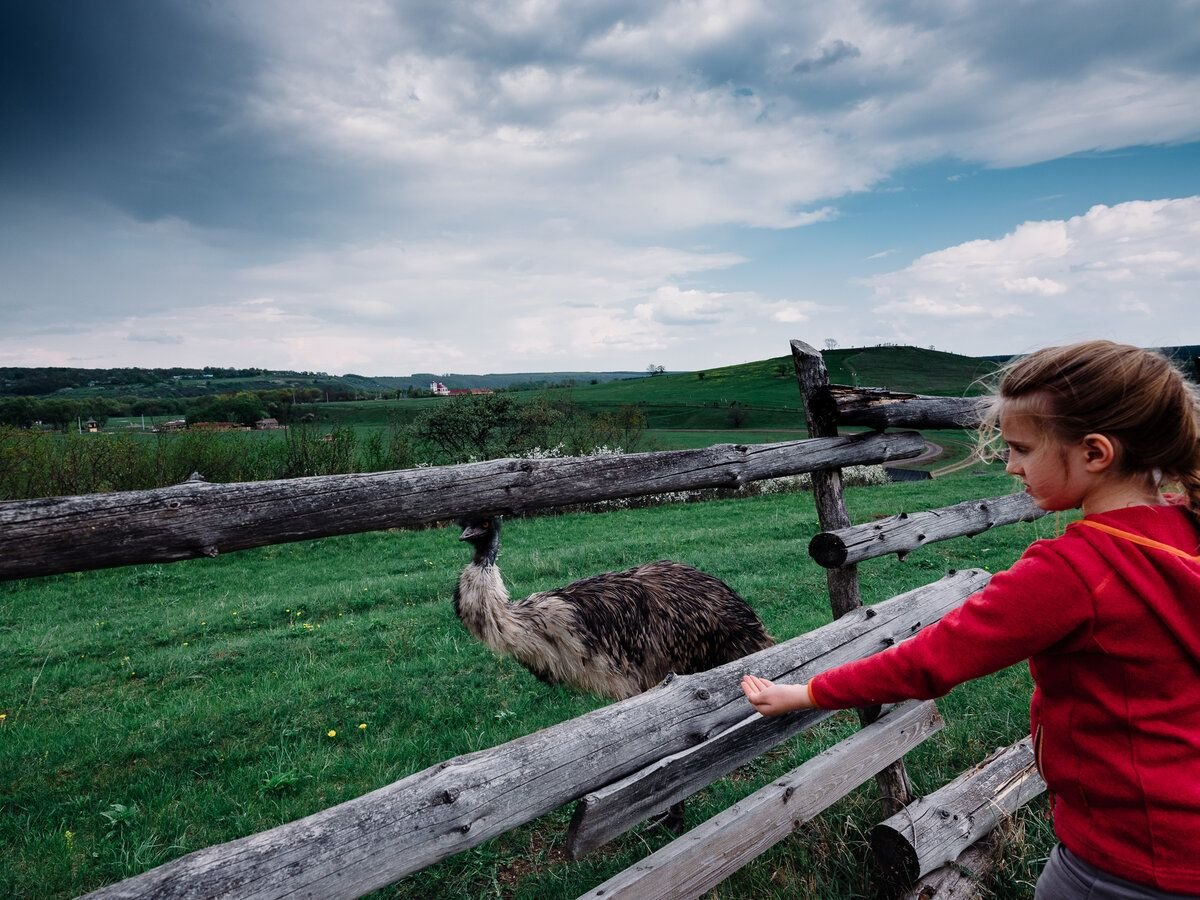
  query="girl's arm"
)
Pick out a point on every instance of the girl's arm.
point(772, 699)
point(1035, 604)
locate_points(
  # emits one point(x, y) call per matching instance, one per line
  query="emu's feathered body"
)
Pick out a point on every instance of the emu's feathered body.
point(615, 634)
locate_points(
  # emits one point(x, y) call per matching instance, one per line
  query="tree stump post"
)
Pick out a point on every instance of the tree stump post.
point(821, 414)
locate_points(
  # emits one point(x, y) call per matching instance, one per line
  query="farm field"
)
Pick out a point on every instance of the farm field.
point(149, 711)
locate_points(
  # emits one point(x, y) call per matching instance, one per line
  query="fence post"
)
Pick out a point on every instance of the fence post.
point(820, 411)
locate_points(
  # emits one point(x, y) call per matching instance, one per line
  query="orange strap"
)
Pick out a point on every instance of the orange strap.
point(1139, 539)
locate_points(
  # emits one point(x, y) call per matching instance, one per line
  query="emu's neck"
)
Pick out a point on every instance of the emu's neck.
point(481, 602)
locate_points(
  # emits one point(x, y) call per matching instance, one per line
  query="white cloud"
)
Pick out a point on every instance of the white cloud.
point(1045, 287)
point(1135, 267)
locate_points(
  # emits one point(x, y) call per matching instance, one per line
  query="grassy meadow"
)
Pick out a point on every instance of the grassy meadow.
point(153, 710)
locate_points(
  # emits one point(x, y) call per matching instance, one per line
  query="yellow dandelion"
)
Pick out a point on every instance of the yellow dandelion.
point(331, 733)
point(362, 726)
point(3, 716)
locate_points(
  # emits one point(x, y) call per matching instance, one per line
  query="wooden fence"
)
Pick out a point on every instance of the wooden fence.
point(626, 761)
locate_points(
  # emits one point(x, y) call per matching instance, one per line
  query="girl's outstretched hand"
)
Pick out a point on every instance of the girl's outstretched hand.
point(772, 699)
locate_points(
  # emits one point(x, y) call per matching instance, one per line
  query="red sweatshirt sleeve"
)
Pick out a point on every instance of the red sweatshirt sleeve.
point(1035, 604)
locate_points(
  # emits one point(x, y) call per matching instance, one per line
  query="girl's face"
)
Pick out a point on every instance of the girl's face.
point(1053, 474)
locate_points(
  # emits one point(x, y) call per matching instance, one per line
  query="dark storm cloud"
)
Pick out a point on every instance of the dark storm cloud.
point(1060, 40)
point(830, 55)
point(499, 38)
point(139, 104)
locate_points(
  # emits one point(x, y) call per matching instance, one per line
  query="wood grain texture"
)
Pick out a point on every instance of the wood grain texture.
point(881, 409)
point(935, 829)
point(67, 534)
point(602, 815)
point(961, 879)
point(845, 592)
point(711, 852)
point(906, 532)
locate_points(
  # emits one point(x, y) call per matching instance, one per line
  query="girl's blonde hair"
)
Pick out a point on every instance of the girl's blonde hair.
point(1135, 397)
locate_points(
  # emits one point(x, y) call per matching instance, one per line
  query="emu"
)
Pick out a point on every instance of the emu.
point(616, 634)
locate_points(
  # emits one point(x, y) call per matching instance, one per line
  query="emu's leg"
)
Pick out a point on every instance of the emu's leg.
point(671, 819)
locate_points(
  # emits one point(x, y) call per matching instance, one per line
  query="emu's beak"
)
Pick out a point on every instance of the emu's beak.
point(470, 532)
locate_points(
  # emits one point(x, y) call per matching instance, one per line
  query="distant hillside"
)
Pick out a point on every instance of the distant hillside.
point(764, 394)
point(175, 383)
point(772, 382)
point(494, 381)
point(912, 369)
point(1185, 354)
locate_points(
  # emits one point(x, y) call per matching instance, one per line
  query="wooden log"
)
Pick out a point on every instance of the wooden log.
point(710, 853)
point(66, 534)
point(907, 531)
point(821, 412)
point(611, 811)
point(369, 842)
point(960, 879)
point(934, 830)
point(883, 409)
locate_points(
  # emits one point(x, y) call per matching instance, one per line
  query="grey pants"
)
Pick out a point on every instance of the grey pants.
point(1067, 877)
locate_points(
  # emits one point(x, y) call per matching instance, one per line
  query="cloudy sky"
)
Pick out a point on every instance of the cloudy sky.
point(387, 187)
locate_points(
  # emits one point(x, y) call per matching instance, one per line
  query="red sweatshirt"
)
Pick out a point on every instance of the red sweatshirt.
point(1111, 627)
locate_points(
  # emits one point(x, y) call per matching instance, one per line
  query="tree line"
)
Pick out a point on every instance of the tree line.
point(243, 407)
point(34, 381)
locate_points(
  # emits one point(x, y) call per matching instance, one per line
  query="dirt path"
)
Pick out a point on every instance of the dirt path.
point(931, 452)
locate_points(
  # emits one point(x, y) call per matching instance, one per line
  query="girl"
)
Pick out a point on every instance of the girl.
point(1108, 615)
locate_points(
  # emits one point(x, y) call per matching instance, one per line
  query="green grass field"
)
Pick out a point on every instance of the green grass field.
point(150, 711)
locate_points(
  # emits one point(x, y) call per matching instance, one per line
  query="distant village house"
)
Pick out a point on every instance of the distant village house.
point(441, 390)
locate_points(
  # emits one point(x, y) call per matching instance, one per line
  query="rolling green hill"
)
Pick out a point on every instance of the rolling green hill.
point(765, 393)
point(911, 369)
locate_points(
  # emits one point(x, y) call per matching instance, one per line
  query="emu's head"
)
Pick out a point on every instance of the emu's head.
point(482, 533)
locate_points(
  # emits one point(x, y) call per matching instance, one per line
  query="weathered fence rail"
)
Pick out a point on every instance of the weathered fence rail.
point(936, 829)
point(711, 852)
point(367, 843)
point(67, 534)
point(881, 409)
point(906, 532)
